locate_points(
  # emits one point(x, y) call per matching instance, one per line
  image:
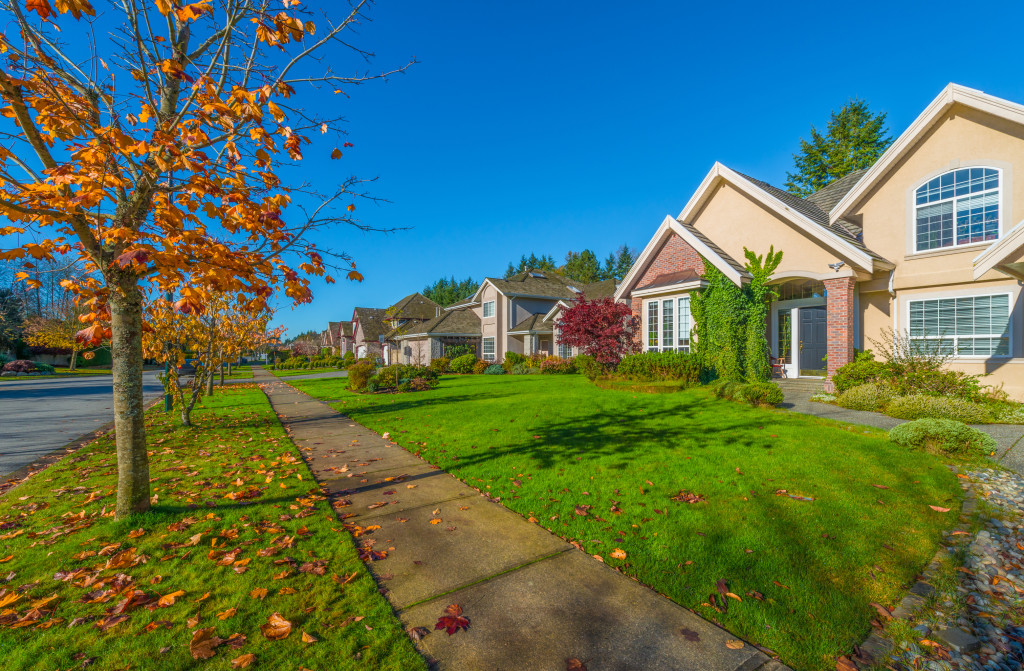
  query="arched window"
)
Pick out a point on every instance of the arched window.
point(960, 207)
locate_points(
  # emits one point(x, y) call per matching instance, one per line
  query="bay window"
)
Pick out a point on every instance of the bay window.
point(668, 324)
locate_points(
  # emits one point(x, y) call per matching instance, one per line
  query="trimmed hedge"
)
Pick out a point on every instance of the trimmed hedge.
point(463, 364)
point(759, 394)
point(871, 396)
point(943, 436)
point(650, 366)
point(918, 406)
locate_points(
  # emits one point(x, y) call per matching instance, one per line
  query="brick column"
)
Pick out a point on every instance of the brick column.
point(839, 293)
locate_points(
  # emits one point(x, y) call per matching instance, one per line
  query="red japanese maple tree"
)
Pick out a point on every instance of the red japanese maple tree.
point(602, 328)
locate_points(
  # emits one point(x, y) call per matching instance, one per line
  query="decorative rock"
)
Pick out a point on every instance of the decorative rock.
point(957, 639)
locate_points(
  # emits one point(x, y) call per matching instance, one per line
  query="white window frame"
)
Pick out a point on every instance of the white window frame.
point(999, 191)
point(483, 349)
point(564, 351)
point(654, 318)
point(492, 310)
point(956, 338)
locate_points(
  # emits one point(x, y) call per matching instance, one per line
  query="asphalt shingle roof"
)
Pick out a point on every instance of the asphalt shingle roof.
point(532, 323)
point(545, 283)
point(415, 306)
point(736, 265)
point(459, 322)
point(346, 329)
point(372, 321)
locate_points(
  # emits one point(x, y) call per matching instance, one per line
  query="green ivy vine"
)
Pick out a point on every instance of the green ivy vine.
point(731, 322)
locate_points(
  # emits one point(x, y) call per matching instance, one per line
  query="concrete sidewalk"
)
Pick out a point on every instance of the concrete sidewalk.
point(1010, 437)
point(532, 599)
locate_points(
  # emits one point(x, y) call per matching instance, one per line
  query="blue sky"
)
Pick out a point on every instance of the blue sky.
point(540, 126)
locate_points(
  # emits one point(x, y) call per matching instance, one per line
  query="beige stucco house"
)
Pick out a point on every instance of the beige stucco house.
point(929, 241)
point(374, 330)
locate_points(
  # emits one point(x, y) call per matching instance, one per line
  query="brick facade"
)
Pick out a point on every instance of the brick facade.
point(674, 256)
point(840, 322)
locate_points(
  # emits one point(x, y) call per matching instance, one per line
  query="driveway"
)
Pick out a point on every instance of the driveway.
point(39, 416)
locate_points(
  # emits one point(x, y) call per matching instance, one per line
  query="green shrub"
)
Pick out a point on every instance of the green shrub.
point(761, 394)
point(918, 406)
point(359, 375)
point(440, 365)
point(1010, 414)
point(480, 366)
point(349, 358)
point(44, 367)
point(463, 364)
point(388, 377)
point(494, 369)
point(943, 436)
point(455, 351)
point(862, 370)
point(588, 366)
point(650, 366)
point(373, 384)
point(822, 397)
point(521, 369)
point(871, 396)
point(726, 389)
point(907, 380)
point(511, 359)
point(421, 384)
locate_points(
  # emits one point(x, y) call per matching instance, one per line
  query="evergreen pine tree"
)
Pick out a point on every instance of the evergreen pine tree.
point(582, 267)
point(854, 139)
point(624, 260)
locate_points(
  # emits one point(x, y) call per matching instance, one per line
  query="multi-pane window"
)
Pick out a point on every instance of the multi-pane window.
point(668, 324)
point(960, 207)
point(964, 326)
point(489, 309)
point(487, 349)
point(564, 351)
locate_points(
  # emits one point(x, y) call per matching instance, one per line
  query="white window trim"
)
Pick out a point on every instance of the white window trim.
point(966, 357)
point(493, 305)
point(567, 347)
point(914, 251)
point(494, 349)
point(645, 323)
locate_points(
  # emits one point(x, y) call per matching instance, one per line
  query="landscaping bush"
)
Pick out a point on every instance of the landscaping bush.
point(862, 370)
point(388, 377)
point(44, 367)
point(761, 394)
point(588, 366)
point(822, 397)
point(348, 359)
point(650, 366)
point(918, 406)
point(494, 369)
point(726, 389)
point(511, 359)
point(952, 383)
point(421, 384)
point(456, 351)
point(373, 384)
point(20, 366)
point(521, 369)
point(1010, 414)
point(871, 396)
point(943, 436)
point(440, 365)
point(463, 364)
point(359, 375)
point(480, 366)
point(556, 365)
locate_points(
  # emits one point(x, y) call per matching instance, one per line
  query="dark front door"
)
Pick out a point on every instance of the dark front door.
point(813, 340)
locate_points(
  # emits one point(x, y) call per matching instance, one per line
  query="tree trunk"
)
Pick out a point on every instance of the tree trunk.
point(209, 384)
point(129, 419)
point(74, 360)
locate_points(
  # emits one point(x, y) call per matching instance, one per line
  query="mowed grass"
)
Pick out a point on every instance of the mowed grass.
point(70, 570)
point(60, 372)
point(600, 468)
point(290, 372)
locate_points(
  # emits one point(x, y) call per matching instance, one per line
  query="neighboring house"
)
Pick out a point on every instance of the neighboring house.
point(429, 340)
point(928, 241)
point(329, 339)
point(368, 324)
point(547, 324)
point(512, 311)
point(404, 315)
point(345, 339)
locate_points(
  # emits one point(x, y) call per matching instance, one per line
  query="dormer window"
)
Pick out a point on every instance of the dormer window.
point(960, 207)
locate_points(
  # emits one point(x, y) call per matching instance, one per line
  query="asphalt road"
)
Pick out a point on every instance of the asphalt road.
point(39, 416)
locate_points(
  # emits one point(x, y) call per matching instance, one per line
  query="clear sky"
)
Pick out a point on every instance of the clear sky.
point(549, 126)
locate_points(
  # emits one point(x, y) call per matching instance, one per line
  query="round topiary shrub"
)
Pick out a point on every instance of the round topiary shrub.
point(440, 365)
point(463, 365)
point(943, 436)
point(494, 369)
point(869, 396)
point(761, 394)
point(919, 406)
point(359, 375)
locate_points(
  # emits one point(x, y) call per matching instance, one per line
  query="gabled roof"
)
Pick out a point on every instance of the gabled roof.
point(449, 322)
point(372, 322)
point(538, 323)
point(700, 243)
point(953, 94)
point(534, 284)
point(345, 329)
point(995, 254)
point(602, 289)
point(415, 306)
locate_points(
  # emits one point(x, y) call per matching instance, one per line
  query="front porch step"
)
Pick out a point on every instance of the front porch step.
point(807, 385)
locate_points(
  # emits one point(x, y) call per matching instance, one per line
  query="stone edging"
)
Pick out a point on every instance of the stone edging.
point(876, 648)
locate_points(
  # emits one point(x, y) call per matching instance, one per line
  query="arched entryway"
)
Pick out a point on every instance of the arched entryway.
point(799, 327)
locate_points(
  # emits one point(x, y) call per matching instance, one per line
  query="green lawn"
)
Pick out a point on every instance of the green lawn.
point(237, 373)
point(58, 539)
point(600, 467)
point(60, 372)
point(291, 372)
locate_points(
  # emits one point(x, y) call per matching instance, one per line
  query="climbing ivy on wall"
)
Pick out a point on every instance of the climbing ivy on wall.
point(731, 322)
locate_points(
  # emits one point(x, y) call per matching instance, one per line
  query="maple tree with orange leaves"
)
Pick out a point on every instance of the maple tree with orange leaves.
point(153, 141)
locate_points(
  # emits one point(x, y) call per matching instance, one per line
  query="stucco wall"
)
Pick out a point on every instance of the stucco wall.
point(497, 326)
point(524, 307)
